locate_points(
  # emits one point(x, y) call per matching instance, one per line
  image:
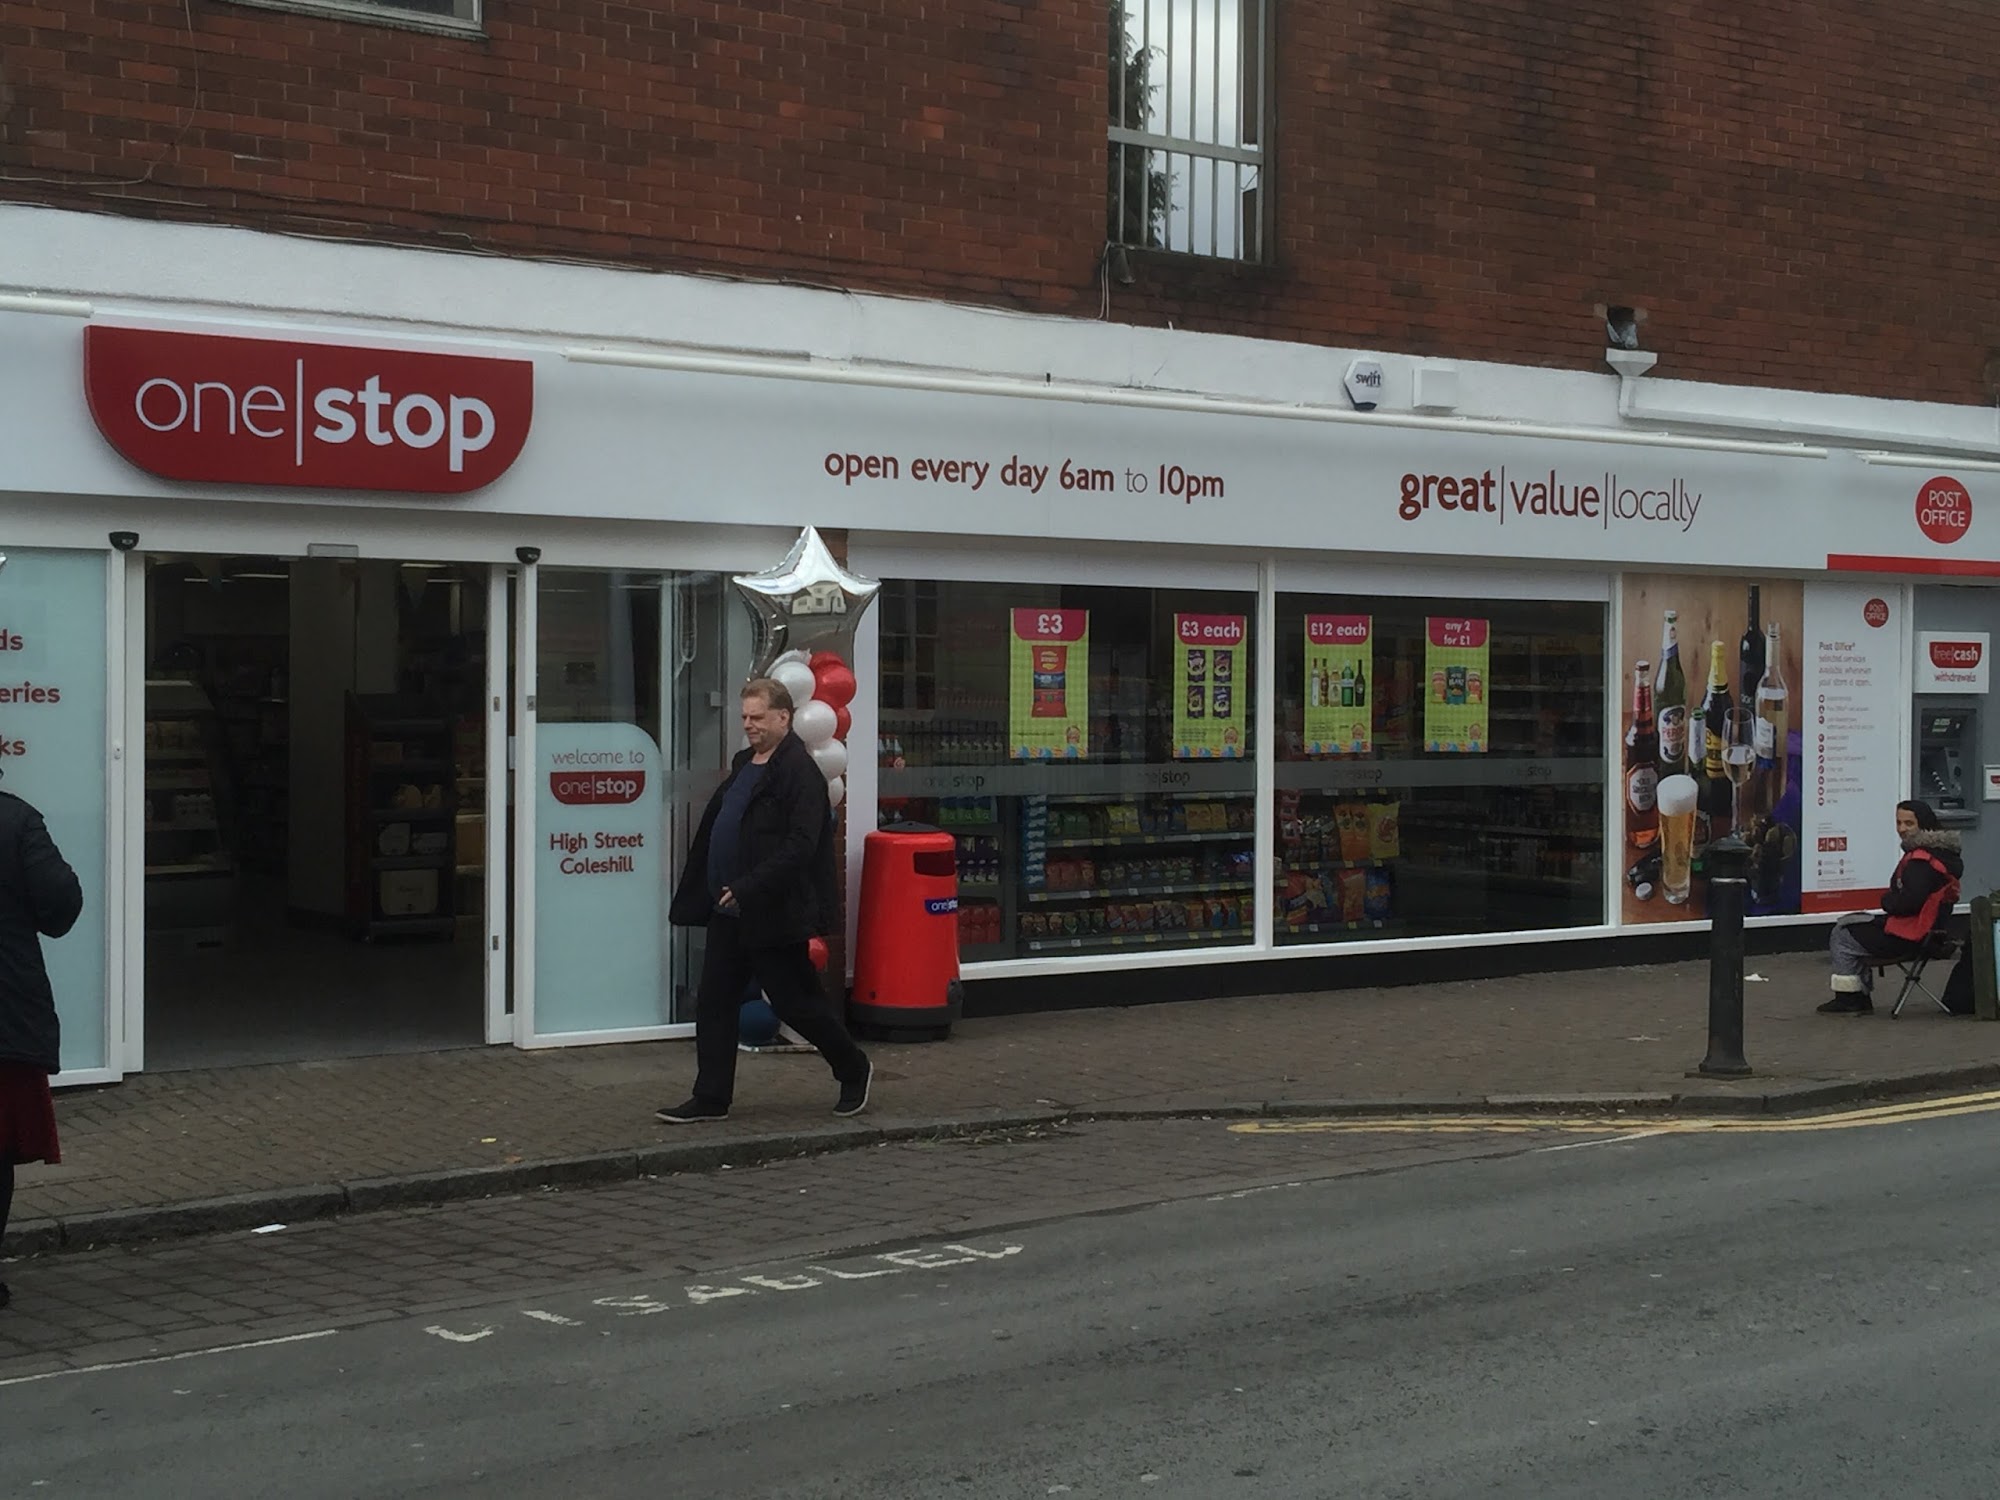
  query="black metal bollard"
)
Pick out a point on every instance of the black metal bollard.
point(1728, 862)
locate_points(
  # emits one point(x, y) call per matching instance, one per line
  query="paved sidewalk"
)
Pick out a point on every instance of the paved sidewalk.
point(235, 1147)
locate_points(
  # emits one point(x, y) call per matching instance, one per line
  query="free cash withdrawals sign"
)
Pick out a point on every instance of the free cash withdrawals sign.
point(1457, 670)
point(1208, 682)
point(1048, 684)
point(1339, 653)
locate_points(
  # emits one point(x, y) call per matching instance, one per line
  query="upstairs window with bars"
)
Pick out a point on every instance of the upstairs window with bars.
point(1189, 85)
point(448, 15)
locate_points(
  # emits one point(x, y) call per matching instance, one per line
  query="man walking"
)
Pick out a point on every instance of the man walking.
point(760, 877)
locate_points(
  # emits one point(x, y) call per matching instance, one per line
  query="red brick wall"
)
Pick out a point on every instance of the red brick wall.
point(1798, 192)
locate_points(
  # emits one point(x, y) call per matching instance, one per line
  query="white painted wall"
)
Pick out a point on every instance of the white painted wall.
point(126, 266)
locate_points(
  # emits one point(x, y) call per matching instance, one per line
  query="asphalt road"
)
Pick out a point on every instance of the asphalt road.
point(1805, 1313)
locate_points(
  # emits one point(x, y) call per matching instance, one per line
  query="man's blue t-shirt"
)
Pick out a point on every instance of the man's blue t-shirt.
point(725, 838)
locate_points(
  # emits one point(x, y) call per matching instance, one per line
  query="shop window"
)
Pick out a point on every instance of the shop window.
point(1440, 767)
point(444, 15)
point(1188, 125)
point(52, 729)
point(1091, 749)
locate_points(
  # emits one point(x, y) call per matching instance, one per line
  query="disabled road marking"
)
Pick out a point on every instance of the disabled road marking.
point(460, 1338)
point(1627, 1127)
point(784, 1280)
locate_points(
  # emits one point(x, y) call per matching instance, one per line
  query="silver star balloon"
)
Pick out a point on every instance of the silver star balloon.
point(809, 602)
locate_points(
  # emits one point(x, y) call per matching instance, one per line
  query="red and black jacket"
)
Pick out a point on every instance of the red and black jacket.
point(1925, 887)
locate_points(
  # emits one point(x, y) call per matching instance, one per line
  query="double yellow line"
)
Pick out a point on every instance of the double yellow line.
point(1886, 1114)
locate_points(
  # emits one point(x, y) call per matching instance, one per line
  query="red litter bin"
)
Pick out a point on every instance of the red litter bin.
point(906, 938)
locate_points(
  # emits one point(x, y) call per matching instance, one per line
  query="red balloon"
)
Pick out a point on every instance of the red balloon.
point(842, 722)
point(833, 682)
point(825, 659)
point(816, 951)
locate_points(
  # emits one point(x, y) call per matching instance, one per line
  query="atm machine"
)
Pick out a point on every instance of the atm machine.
point(1948, 767)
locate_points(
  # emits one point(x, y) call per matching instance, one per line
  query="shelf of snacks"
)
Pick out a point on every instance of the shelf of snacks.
point(1110, 942)
point(1337, 857)
point(1208, 868)
point(1138, 840)
point(1050, 824)
point(1107, 893)
point(1328, 929)
point(1194, 919)
point(955, 814)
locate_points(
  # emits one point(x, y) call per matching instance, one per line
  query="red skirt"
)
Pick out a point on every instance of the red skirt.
point(27, 1115)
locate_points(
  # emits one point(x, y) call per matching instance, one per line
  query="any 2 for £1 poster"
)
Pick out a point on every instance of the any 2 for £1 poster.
point(1457, 671)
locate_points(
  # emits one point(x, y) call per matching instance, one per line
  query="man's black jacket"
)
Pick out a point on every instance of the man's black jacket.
point(788, 891)
point(39, 897)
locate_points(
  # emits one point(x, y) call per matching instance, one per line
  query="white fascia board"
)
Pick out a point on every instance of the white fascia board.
point(136, 267)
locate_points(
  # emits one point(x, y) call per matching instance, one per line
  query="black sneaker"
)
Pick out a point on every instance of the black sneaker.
point(694, 1112)
point(854, 1095)
point(1848, 1005)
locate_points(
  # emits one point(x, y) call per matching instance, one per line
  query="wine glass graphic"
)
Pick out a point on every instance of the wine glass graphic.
point(1739, 758)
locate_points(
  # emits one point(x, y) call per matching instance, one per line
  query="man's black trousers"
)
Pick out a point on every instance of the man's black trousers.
point(789, 981)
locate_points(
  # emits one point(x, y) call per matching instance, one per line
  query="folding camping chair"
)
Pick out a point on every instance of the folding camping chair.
point(1935, 948)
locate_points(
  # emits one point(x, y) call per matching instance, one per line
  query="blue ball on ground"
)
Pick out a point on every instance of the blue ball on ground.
point(757, 1023)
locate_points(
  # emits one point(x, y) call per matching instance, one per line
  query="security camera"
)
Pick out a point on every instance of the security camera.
point(529, 555)
point(124, 541)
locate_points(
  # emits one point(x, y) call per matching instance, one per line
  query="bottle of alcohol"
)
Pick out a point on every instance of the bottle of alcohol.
point(1361, 684)
point(1750, 654)
point(1774, 722)
point(1715, 706)
point(1642, 763)
point(1347, 684)
point(1670, 701)
point(1313, 699)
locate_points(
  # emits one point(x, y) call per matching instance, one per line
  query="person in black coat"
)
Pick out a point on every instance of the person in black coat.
point(760, 878)
point(39, 897)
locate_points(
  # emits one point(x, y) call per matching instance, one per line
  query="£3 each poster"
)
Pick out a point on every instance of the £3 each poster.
point(1208, 686)
point(1048, 684)
point(1457, 672)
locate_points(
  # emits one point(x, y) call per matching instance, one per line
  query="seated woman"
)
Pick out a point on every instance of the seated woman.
point(1918, 901)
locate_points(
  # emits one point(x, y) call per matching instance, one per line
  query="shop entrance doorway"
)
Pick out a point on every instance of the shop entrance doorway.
point(316, 851)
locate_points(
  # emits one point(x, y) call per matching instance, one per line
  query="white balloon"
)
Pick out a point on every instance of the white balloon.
point(798, 656)
point(831, 758)
point(814, 722)
point(796, 678)
point(836, 791)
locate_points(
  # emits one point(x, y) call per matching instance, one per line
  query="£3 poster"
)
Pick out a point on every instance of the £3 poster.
point(1713, 720)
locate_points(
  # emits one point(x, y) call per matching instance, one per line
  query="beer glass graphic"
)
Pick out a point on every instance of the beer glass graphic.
point(1677, 799)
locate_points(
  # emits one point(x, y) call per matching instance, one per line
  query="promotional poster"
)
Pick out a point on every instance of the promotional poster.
point(1339, 656)
point(1048, 682)
point(1709, 739)
point(1208, 686)
point(1457, 672)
